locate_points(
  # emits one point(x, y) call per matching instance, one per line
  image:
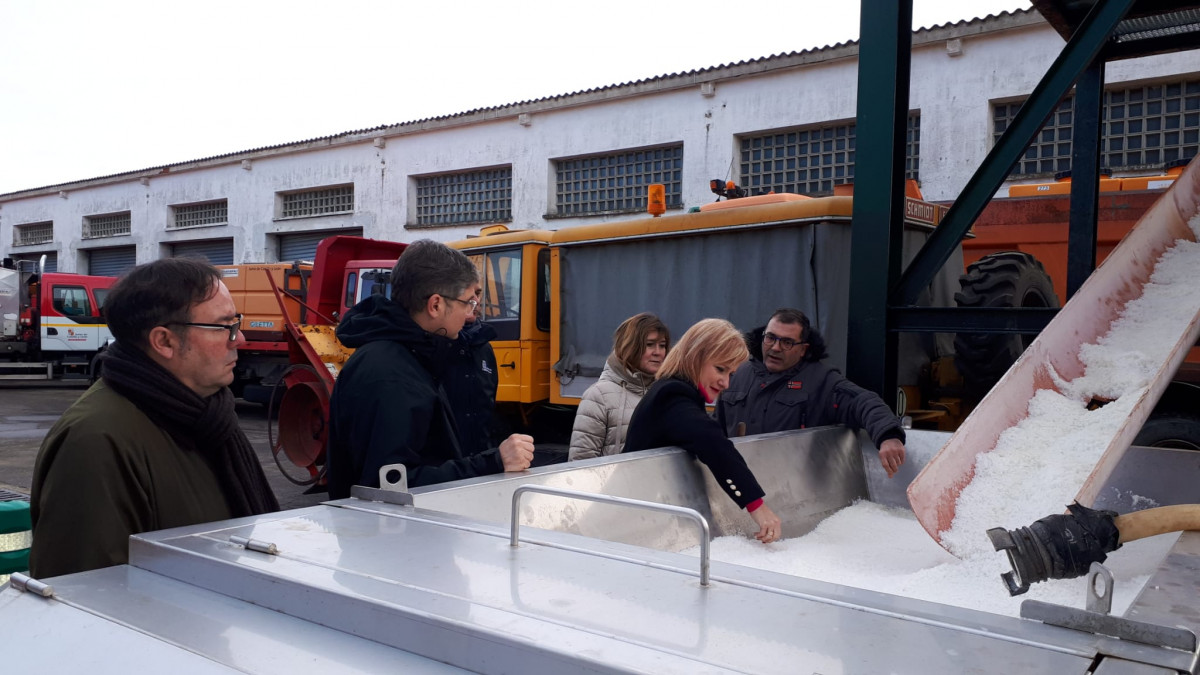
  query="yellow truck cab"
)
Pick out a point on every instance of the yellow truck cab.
point(514, 268)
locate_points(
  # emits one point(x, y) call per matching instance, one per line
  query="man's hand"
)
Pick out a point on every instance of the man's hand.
point(769, 526)
point(891, 456)
point(516, 452)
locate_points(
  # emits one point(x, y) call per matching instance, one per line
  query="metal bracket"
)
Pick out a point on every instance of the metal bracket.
point(26, 583)
point(694, 515)
point(391, 492)
point(1099, 589)
point(400, 484)
point(1106, 624)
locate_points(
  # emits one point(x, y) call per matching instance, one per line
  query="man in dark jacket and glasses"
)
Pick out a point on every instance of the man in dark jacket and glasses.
point(155, 442)
point(785, 386)
point(390, 404)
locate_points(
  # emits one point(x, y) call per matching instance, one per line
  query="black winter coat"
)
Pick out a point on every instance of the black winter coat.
point(672, 414)
point(810, 394)
point(470, 382)
point(389, 405)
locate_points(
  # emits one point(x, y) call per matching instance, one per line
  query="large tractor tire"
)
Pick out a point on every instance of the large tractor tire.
point(1179, 430)
point(1006, 279)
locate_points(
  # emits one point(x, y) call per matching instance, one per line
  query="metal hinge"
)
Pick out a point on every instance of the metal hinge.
point(26, 583)
point(255, 545)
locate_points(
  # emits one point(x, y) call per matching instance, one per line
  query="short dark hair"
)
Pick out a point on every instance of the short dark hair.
point(816, 342)
point(791, 317)
point(155, 294)
point(426, 268)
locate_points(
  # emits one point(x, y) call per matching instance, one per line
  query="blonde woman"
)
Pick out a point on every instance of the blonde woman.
point(672, 413)
point(639, 347)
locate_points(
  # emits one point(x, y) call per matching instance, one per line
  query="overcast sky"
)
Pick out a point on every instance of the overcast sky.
point(91, 88)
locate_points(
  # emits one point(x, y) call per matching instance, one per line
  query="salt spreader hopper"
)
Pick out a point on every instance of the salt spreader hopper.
point(1119, 280)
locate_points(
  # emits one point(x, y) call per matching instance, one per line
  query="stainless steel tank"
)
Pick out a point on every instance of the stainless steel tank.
point(357, 585)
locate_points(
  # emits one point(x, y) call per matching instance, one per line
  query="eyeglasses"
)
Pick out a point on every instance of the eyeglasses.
point(784, 343)
point(233, 328)
point(473, 303)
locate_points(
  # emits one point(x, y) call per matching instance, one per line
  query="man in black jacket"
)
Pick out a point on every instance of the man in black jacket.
point(390, 404)
point(471, 383)
point(784, 386)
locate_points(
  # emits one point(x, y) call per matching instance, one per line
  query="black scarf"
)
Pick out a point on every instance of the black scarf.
point(208, 424)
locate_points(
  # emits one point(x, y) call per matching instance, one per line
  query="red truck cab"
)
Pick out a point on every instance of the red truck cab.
point(70, 312)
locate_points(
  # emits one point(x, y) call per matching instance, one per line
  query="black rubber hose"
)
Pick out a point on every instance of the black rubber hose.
point(1064, 546)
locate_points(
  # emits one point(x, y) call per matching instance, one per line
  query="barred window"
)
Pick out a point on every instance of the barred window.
point(912, 148)
point(617, 182)
point(1147, 127)
point(808, 161)
point(317, 202)
point(469, 197)
point(1050, 151)
point(109, 225)
point(33, 233)
point(811, 161)
point(195, 215)
point(1144, 128)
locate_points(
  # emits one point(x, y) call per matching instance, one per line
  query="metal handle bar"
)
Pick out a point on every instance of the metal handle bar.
point(693, 514)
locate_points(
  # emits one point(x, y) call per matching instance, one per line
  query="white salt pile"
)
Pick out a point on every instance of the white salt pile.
point(1035, 470)
point(884, 549)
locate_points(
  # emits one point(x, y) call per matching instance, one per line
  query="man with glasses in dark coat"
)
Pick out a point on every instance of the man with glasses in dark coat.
point(155, 442)
point(785, 386)
point(390, 405)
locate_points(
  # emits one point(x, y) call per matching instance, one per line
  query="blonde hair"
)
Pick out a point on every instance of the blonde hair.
point(709, 341)
point(629, 342)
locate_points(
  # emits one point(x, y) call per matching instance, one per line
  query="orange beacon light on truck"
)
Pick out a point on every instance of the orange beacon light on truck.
point(656, 199)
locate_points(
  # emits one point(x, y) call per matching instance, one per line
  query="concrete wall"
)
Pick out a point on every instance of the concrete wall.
point(1001, 59)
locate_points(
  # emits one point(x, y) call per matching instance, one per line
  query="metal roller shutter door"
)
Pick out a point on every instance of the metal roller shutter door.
point(111, 262)
point(51, 260)
point(215, 251)
point(304, 246)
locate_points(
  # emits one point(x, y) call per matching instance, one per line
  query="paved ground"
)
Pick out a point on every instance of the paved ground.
point(28, 410)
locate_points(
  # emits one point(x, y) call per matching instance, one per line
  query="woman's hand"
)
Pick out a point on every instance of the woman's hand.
point(769, 526)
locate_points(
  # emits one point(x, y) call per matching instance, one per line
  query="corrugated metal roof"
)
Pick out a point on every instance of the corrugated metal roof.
point(1160, 25)
point(510, 108)
point(1146, 20)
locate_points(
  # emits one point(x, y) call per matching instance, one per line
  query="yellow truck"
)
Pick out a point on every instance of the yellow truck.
point(555, 297)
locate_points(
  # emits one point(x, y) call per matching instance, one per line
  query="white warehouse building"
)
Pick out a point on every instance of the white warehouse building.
point(782, 122)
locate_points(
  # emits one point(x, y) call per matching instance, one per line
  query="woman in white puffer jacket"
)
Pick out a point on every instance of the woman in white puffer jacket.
point(639, 347)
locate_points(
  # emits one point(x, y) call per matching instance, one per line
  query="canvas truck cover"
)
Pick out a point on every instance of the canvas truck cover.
point(798, 256)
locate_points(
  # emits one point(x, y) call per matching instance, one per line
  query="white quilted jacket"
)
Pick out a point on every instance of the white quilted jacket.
point(604, 411)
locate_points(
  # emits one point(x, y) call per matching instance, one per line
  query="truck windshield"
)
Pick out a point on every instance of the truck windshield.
point(500, 273)
point(72, 301)
point(375, 282)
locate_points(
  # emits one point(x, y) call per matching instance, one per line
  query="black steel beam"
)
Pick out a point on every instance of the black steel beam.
point(1026, 320)
point(884, 55)
point(1076, 56)
point(1085, 176)
point(1158, 45)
